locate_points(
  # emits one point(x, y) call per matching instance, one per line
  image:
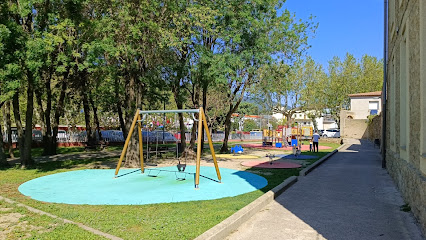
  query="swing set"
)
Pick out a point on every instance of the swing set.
point(181, 167)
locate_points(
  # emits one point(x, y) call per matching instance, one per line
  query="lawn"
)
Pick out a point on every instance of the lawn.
point(37, 152)
point(184, 220)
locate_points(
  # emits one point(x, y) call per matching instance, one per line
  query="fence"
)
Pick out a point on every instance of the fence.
point(116, 136)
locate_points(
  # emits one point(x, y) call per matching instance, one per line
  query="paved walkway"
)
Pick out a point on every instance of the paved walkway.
point(348, 197)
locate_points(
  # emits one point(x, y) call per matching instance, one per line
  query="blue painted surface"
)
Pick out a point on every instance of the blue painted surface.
point(99, 187)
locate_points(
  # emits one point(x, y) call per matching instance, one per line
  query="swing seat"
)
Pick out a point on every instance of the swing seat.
point(179, 176)
point(181, 167)
point(150, 174)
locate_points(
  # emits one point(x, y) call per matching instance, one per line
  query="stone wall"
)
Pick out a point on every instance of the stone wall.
point(353, 128)
point(411, 183)
point(404, 123)
point(374, 129)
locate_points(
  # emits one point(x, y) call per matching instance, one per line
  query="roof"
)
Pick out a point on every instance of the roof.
point(246, 116)
point(367, 94)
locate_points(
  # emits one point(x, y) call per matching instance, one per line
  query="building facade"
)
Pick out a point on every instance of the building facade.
point(405, 128)
point(365, 104)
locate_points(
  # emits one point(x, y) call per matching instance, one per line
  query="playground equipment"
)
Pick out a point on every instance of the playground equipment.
point(271, 157)
point(201, 121)
point(271, 136)
point(237, 149)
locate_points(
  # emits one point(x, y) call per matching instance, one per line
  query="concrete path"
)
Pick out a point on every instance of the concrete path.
point(348, 197)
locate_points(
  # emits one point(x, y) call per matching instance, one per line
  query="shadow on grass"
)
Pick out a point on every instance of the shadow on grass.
point(277, 176)
point(56, 165)
point(273, 176)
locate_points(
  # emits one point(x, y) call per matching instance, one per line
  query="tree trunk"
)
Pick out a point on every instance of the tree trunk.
point(196, 102)
point(205, 86)
point(132, 155)
point(86, 109)
point(95, 117)
point(58, 113)
point(3, 160)
point(19, 127)
point(26, 159)
point(8, 124)
point(119, 111)
point(232, 109)
point(224, 148)
point(42, 114)
point(49, 138)
point(179, 104)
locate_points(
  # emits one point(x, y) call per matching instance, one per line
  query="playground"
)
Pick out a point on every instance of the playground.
point(166, 198)
point(172, 219)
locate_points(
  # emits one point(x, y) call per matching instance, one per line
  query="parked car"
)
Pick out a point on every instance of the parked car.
point(331, 133)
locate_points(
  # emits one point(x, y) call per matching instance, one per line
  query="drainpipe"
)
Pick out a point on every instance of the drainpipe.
point(384, 95)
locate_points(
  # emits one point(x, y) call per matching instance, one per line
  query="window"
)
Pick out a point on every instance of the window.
point(373, 105)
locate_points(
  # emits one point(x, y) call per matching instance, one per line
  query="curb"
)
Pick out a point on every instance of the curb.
point(316, 164)
point(227, 226)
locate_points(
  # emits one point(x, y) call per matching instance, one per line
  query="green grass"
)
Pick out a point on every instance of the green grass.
point(37, 152)
point(19, 222)
point(184, 220)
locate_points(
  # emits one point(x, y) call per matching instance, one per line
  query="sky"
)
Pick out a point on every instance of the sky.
point(344, 26)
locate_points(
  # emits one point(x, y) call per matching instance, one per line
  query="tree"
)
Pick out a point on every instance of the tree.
point(281, 88)
point(18, 27)
point(248, 108)
point(3, 160)
point(258, 38)
point(249, 124)
point(347, 77)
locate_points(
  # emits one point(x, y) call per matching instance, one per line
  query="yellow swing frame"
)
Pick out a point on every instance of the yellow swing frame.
point(201, 121)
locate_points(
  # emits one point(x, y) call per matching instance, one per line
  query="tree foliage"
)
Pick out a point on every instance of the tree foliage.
point(306, 85)
point(81, 61)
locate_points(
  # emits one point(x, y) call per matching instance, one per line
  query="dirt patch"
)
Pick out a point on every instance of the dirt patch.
point(11, 224)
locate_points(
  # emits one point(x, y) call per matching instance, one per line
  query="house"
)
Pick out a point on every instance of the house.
point(404, 145)
point(302, 118)
point(365, 104)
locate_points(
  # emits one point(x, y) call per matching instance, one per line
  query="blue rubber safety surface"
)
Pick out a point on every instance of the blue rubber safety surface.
point(99, 187)
point(292, 156)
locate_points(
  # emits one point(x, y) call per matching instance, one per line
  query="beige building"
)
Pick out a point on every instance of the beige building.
point(405, 144)
point(324, 122)
point(365, 104)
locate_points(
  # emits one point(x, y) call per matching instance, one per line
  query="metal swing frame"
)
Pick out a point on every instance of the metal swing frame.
point(201, 121)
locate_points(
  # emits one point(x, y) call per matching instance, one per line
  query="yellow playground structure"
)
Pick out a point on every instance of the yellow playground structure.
point(201, 121)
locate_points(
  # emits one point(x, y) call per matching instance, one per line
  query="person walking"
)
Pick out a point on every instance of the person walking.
point(315, 139)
